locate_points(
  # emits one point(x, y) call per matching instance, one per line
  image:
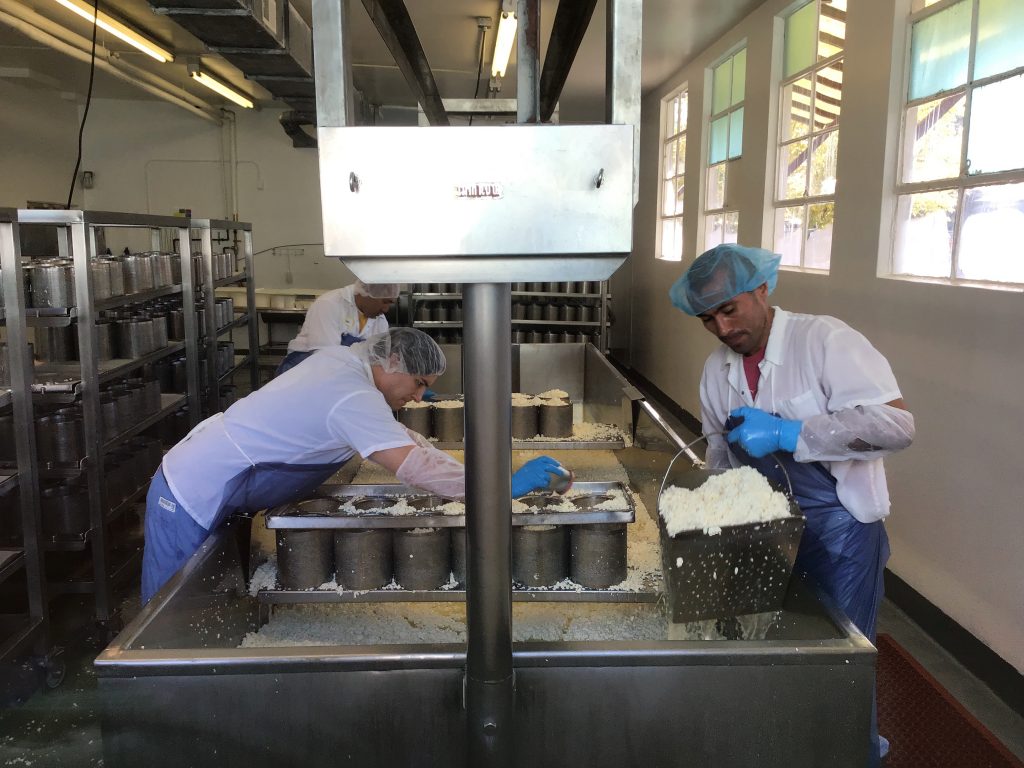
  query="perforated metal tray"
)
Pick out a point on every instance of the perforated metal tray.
point(314, 513)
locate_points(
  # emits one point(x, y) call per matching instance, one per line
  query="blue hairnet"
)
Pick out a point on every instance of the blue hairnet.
point(721, 274)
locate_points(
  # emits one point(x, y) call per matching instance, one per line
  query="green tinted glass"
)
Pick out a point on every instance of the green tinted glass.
point(739, 76)
point(719, 140)
point(720, 86)
point(938, 51)
point(736, 133)
point(801, 38)
point(1000, 29)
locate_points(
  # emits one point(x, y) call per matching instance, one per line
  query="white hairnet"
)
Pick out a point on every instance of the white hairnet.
point(377, 290)
point(721, 274)
point(403, 350)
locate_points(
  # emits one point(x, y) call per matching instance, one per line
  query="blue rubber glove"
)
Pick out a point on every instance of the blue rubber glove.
point(429, 395)
point(535, 475)
point(347, 339)
point(761, 433)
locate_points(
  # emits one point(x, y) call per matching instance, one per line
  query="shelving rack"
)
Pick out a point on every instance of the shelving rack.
point(110, 558)
point(594, 295)
point(240, 235)
point(26, 628)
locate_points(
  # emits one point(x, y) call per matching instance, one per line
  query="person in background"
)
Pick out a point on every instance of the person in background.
point(343, 317)
point(811, 393)
point(281, 442)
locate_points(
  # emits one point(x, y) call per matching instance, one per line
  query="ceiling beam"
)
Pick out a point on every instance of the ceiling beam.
point(392, 20)
point(567, 31)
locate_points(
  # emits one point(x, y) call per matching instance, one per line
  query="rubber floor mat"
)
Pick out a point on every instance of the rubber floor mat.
point(925, 725)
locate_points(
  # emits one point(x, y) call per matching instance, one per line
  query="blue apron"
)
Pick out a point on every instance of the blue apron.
point(172, 536)
point(844, 556)
point(294, 358)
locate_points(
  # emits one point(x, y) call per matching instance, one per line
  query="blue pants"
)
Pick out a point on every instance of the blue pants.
point(172, 536)
point(291, 360)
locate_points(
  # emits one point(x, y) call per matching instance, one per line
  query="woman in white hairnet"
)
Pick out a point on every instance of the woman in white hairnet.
point(282, 441)
point(343, 317)
point(811, 393)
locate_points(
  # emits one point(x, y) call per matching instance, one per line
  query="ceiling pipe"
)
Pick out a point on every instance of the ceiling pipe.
point(33, 26)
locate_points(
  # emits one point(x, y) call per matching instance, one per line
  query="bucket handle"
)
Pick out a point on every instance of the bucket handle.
point(682, 450)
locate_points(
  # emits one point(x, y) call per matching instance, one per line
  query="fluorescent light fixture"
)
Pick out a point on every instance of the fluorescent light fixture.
point(503, 44)
point(117, 29)
point(223, 90)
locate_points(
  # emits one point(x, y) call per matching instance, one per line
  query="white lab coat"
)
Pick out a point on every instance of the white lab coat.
point(813, 364)
point(331, 315)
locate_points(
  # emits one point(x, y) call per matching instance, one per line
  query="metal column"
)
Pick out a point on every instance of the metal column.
point(487, 351)
point(253, 324)
point(82, 251)
point(20, 365)
point(188, 306)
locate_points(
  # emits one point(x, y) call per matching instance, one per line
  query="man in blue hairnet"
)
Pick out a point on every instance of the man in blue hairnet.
point(811, 393)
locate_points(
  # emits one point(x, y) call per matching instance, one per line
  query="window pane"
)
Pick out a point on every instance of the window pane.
point(924, 234)
point(993, 220)
point(669, 161)
point(739, 77)
point(796, 109)
point(789, 234)
point(934, 132)
point(832, 28)
point(938, 51)
point(731, 227)
point(736, 133)
point(672, 239)
point(681, 155)
point(719, 140)
point(824, 150)
point(793, 170)
point(1000, 28)
point(713, 231)
point(801, 31)
point(679, 196)
point(671, 128)
point(995, 143)
point(921, 4)
point(721, 85)
point(716, 188)
point(828, 95)
point(682, 102)
point(818, 250)
point(668, 198)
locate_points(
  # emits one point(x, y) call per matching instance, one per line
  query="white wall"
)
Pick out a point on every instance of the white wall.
point(151, 157)
point(956, 524)
point(38, 144)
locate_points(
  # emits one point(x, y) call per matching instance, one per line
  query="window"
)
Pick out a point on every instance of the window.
point(673, 169)
point(960, 183)
point(725, 143)
point(809, 104)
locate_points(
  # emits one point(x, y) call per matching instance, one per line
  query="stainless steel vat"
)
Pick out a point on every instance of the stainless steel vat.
point(176, 683)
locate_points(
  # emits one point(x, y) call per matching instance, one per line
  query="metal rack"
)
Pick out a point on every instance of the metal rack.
point(23, 630)
point(239, 234)
point(422, 297)
point(110, 558)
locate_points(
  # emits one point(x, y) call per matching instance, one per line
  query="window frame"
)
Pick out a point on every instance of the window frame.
point(668, 103)
point(725, 211)
point(963, 182)
point(807, 200)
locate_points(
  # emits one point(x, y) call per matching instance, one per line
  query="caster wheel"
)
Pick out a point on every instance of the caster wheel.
point(55, 673)
point(54, 668)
